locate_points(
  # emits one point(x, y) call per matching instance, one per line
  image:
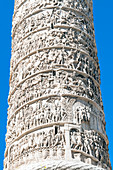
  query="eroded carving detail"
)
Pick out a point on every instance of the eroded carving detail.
point(55, 106)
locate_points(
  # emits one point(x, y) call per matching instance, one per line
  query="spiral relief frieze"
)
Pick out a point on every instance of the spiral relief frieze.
point(55, 106)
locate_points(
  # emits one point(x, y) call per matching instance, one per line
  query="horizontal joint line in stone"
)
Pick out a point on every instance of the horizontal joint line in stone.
point(31, 102)
point(41, 10)
point(85, 99)
point(38, 128)
point(50, 70)
point(26, 0)
point(32, 53)
point(56, 26)
point(21, 4)
point(68, 47)
point(51, 47)
point(50, 125)
point(54, 95)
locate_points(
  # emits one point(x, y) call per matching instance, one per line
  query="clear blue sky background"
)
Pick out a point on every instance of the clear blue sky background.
point(103, 22)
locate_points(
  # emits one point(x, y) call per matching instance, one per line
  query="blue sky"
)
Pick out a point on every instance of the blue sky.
point(103, 23)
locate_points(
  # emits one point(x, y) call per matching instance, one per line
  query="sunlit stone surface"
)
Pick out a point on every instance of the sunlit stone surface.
point(55, 115)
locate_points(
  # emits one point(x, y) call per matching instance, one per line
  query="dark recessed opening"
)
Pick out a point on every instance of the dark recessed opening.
point(54, 73)
point(56, 130)
point(52, 26)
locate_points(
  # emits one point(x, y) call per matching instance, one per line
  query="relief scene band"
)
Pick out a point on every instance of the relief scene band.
point(55, 116)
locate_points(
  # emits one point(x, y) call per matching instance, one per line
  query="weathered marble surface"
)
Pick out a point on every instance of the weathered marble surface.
point(60, 165)
point(55, 106)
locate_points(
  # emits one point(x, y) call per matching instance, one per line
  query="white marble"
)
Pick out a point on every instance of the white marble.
point(55, 113)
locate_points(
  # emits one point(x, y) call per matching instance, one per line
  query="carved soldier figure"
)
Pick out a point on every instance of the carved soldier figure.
point(55, 114)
